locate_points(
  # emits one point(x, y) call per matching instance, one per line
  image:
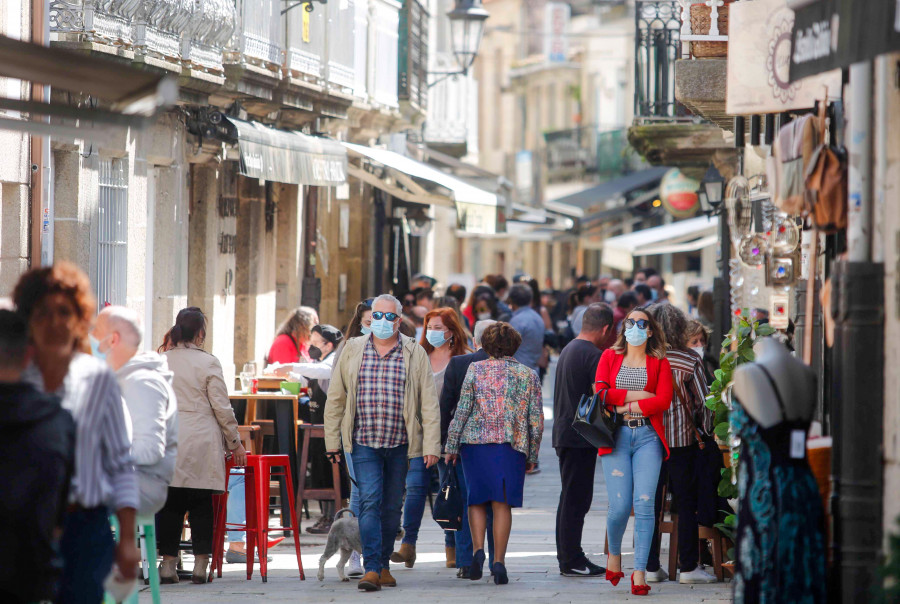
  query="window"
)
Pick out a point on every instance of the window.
point(112, 232)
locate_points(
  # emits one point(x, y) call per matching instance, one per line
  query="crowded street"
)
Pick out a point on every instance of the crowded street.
point(449, 300)
point(532, 558)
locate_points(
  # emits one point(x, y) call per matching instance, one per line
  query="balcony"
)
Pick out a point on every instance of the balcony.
point(175, 35)
point(587, 153)
point(669, 127)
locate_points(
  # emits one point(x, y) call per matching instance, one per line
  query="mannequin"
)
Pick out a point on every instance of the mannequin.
point(796, 384)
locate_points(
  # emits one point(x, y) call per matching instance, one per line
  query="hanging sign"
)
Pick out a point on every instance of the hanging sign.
point(556, 29)
point(678, 193)
point(829, 34)
point(759, 62)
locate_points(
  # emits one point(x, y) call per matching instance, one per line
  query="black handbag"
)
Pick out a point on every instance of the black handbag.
point(595, 422)
point(448, 507)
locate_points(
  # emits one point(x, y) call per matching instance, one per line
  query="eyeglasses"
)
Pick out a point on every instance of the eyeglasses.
point(629, 323)
point(378, 315)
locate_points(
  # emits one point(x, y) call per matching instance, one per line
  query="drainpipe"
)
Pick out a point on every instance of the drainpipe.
point(858, 376)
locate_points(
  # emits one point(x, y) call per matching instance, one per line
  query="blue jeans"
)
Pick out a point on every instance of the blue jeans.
point(88, 550)
point(417, 482)
point(354, 492)
point(632, 473)
point(381, 476)
point(236, 512)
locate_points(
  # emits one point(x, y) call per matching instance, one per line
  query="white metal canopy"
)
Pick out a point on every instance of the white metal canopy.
point(683, 236)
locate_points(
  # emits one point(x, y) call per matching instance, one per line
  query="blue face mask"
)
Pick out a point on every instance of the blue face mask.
point(635, 336)
point(382, 329)
point(365, 330)
point(654, 294)
point(95, 348)
point(435, 338)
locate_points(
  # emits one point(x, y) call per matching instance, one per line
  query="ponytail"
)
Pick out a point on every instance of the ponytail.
point(190, 323)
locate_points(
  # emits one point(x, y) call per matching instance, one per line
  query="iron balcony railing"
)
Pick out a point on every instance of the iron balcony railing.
point(657, 40)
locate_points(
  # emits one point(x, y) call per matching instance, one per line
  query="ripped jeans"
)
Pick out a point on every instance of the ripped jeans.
point(632, 473)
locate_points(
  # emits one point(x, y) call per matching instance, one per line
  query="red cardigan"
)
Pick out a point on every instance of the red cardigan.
point(659, 382)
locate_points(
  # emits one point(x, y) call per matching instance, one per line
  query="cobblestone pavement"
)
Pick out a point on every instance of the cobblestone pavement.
point(531, 561)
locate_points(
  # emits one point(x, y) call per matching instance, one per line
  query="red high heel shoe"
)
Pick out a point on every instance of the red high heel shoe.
point(639, 590)
point(614, 578)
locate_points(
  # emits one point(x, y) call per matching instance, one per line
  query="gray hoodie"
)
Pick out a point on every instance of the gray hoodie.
point(146, 385)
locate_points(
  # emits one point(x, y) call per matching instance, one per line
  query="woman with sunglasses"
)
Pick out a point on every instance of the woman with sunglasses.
point(443, 338)
point(635, 379)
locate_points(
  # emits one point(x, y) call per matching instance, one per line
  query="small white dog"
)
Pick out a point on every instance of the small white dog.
point(344, 536)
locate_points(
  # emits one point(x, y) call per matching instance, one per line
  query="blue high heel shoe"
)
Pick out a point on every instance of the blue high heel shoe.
point(500, 576)
point(476, 571)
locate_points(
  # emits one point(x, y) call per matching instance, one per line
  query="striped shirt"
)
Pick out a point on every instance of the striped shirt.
point(104, 471)
point(688, 401)
point(379, 399)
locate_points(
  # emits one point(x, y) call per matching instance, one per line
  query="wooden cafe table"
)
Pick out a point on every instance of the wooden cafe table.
point(285, 423)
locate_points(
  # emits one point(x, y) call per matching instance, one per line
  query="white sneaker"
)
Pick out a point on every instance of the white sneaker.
point(356, 569)
point(656, 576)
point(698, 575)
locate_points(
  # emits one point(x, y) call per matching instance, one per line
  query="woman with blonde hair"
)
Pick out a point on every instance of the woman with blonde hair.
point(291, 344)
point(443, 338)
point(635, 379)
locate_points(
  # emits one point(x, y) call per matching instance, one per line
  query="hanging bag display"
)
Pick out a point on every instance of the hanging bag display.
point(448, 507)
point(595, 422)
point(826, 184)
point(792, 154)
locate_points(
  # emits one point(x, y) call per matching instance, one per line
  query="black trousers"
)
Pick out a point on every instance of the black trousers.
point(681, 471)
point(576, 470)
point(197, 504)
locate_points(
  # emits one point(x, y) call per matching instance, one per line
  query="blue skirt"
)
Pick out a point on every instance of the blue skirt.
point(494, 472)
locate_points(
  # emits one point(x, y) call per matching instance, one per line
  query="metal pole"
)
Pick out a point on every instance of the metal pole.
point(858, 374)
point(859, 144)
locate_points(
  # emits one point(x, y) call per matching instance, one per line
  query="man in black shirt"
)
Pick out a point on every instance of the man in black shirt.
point(575, 373)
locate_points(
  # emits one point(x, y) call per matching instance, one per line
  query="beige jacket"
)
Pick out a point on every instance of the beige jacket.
point(420, 405)
point(206, 423)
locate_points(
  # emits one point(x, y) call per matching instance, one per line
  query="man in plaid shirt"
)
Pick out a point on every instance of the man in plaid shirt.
point(382, 408)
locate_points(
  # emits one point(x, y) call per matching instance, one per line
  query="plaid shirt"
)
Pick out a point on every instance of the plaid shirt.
point(688, 401)
point(379, 399)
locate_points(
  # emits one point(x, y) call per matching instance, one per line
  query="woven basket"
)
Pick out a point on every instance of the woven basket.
point(700, 22)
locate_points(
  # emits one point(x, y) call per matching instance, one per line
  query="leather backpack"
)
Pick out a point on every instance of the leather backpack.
point(826, 184)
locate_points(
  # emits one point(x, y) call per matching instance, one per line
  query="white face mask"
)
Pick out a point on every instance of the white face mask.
point(484, 316)
point(699, 350)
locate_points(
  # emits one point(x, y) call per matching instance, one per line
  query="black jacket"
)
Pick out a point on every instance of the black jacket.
point(37, 449)
point(453, 381)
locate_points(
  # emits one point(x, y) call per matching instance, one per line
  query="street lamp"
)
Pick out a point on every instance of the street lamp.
point(712, 191)
point(466, 29)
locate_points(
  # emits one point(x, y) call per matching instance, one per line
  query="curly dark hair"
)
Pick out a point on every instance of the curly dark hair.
point(61, 278)
point(673, 323)
point(500, 340)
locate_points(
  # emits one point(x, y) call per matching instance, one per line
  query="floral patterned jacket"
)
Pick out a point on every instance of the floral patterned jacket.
point(500, 402)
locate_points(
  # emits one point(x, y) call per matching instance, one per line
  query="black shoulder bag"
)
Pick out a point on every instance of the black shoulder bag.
point(448, 506)
point(595, 422)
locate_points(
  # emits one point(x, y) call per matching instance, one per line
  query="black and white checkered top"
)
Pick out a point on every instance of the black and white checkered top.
point(632, 378)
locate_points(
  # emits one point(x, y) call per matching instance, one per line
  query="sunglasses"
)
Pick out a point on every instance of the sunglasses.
point(378, 315)
point(368, 302)
point(629, 323)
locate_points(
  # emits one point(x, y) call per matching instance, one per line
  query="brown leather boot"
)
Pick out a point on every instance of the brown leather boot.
point(407, 554)
point(387, 579)
point(451, 556)
point(370, 582)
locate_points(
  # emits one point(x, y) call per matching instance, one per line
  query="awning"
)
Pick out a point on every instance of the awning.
point(600, 197)
point(683, 236)
point(136, 95)
point(289, 157)
point(478, 211)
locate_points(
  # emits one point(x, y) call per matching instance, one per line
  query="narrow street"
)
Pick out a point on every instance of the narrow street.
point(534, 575)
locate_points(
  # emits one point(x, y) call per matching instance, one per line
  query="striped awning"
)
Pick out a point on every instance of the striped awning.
point(289, 157)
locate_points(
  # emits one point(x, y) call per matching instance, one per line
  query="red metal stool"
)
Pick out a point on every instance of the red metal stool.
point(220, 509)
point(258, 537)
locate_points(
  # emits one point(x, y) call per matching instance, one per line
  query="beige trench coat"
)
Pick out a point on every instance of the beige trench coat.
point(206, 423)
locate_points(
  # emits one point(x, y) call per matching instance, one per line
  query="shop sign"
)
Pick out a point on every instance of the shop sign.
point(830, 34)
point(556, 29)
point(759, 62)
point(678, 193)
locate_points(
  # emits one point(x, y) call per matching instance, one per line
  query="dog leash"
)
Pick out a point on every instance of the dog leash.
point(333, 458)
